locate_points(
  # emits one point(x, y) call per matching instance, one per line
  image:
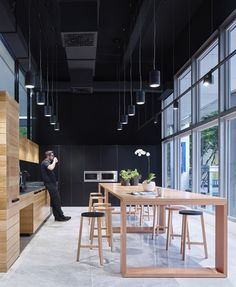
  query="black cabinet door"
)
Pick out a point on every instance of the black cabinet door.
point(64, 175)
point(77, 191)
point(77, 163)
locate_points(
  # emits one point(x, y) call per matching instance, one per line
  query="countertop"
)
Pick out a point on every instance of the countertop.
point(33, 186)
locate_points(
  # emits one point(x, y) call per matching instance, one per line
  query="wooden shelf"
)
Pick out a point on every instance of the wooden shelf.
point(28, 150)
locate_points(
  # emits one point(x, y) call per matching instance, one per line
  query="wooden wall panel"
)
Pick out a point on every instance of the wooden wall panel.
point(9, 181)
point(28, 150)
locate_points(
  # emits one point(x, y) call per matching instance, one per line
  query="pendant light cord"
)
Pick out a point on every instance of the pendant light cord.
point(29, 46)
point(118, 78)
point(140, 56)
point(40, 60)
point(173, 35)
point(57, 114)
point(47, 84)
point(189, 30)
point(124, 82)
point(212, 16)
point(52, 93)
point(154, 35)
point(131, 81)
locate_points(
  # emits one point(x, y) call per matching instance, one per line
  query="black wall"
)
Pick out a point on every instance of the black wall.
point(74, 159)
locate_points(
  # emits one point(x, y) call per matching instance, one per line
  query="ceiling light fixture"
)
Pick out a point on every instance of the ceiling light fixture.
point(208, 79)
point(156, 119)
point(57, 127)
point(154, 75)
point(29, 76)
point(176, 105)
point(140, 95)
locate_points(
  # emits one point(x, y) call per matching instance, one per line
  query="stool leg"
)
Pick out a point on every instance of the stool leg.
point(181, 239)
point(141, 215)
point(154, 222)
point(188, 237)
point(169, 225)
point(90, 206)
point(107, 226)
point(110, 229)
point(80, 237)
point(204, 236)
point(184, 235)
point(157, 219)
point(100, 240)
point(92, 232)
point(148, 210)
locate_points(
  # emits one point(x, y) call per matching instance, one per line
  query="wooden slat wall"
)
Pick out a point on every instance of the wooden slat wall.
point(28, 150)
point(9, 181)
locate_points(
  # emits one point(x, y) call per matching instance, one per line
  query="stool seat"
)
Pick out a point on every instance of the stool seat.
point(92, 214)
point(96, 194)
point(190, 212)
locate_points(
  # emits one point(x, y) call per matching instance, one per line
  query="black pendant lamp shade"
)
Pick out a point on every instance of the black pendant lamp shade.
point(57, 126)
point(119, 126)
point(40, 98)
point(156, 119)
point(140, 97)
point(29, 80)
point(208, 79)
point(47, 111)
point(131, 110)
point(176, 105)
point(154, 78)
point(53, 120)
point(124, 119)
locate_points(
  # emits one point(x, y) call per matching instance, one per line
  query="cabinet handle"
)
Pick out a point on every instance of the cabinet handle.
point(15, 200)
point(38, 191)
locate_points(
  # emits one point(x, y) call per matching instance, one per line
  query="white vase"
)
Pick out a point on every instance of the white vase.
point(148, 186)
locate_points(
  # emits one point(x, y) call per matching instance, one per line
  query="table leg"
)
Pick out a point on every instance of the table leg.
point(221, 236)
point(123, 266)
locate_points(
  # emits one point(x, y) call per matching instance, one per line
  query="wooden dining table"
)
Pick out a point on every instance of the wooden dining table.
point(169, 197)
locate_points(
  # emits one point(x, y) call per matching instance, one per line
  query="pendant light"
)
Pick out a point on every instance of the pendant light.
point(208, 79)
point(47, 108)
point(124, 117)
point(53, 118)
point(119, 124)
point(29, 76)
point(131, 107)
point(154, 75)
point(176, 105)
point(140, 95)
point(156, 119)
point(57, 125)
point(40, 95)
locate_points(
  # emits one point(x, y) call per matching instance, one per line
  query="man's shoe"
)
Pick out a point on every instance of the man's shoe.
point(65, 218)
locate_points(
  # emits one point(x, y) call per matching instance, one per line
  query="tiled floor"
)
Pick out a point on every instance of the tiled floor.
point(49, 258)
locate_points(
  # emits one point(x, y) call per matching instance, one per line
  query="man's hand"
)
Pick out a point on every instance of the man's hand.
point(55, 160)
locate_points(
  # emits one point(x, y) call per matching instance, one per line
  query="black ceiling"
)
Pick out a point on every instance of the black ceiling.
point(114, 21)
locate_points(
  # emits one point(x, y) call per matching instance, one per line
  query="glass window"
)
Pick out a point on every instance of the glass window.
point(186, 163)
point(232, 168)
point(208, 95)
point(7, 69)
point(23, 105)
point(184, 82)
point(168, 100)
point(232, 65)
point(168, 117)
point(169, 164)
point(209, 176)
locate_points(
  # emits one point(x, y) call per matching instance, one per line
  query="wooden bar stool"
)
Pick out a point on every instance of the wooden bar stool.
point(95, 197)
point(107, 209)
point(156, 216)
point(185, 214)
point(93, 215)
point(170, 233)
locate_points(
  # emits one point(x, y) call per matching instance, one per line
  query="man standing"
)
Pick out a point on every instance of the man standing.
point(49, 178)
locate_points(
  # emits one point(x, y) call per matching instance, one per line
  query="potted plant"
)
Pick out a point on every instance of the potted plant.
point(124, 177)
point(149, 184)
point(134, 177)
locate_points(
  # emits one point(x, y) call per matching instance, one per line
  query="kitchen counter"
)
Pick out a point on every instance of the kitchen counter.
point(33, 186)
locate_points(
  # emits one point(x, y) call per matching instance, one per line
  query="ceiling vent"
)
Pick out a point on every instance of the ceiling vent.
point(79, 39)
